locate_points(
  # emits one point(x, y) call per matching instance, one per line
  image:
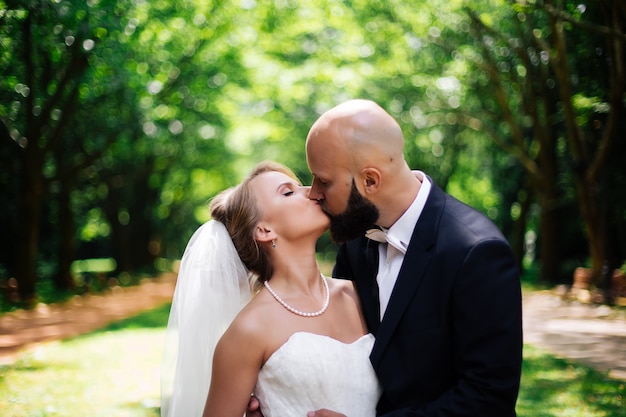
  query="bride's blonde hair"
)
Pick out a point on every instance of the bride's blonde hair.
point(237, 209)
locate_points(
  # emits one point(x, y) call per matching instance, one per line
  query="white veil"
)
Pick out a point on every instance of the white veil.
point(212, 288)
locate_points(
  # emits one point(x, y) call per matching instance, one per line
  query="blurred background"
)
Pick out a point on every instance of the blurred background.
point(120, 119)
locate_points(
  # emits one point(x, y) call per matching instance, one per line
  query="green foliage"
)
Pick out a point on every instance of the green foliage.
point(167, 103)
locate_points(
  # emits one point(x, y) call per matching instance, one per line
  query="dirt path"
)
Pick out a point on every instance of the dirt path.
point(24, 329)
point(594, 335)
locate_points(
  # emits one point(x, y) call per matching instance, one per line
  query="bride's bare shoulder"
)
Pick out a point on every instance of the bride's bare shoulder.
point(250, 320)
point(342, 285)
point(263, 324)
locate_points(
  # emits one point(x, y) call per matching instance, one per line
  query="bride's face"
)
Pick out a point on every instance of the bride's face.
point(285, 206)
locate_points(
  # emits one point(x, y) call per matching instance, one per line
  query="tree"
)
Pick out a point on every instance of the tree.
point(520, 94)
point(594, 113)
point(89, 119)
point(549, 105)
point(50, 44)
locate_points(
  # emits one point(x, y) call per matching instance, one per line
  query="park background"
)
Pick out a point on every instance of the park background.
point(120, 119)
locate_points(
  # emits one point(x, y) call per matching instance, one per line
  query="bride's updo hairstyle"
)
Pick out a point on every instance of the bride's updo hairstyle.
point(237, 209)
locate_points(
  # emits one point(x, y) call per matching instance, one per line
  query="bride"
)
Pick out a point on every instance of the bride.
point(298, 343)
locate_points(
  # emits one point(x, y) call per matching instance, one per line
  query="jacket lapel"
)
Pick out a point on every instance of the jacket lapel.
point(368, 287)
point(413, 270)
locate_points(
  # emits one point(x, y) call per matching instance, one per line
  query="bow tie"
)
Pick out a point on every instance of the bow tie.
point(381, 236)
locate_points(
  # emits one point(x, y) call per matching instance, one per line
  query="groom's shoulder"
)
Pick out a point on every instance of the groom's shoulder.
point(356, 246)
point(463, 222)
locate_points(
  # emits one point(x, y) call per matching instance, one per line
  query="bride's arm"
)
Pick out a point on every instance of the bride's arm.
point(236, 365)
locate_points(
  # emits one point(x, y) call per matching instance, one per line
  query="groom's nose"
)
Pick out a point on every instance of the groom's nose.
point(313, 194)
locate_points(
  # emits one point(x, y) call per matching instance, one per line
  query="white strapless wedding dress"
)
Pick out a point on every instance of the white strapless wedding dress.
point(312, 371)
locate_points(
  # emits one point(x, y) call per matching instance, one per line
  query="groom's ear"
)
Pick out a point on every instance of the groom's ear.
point(262, 233)
point(371, 180)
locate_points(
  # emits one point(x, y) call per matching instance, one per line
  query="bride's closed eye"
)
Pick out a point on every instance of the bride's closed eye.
point(288, 188)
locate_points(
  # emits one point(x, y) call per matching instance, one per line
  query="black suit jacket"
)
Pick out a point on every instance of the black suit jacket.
point(450, 343)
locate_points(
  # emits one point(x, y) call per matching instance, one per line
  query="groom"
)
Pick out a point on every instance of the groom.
point(443, 296)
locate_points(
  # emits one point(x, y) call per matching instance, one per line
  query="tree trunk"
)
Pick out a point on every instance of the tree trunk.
point(589, 198)
point(63, 279)
point(519, 229)
point(30, 216)
point(549, 231)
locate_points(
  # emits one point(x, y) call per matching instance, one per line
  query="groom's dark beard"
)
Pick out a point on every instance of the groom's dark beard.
point(359, 216)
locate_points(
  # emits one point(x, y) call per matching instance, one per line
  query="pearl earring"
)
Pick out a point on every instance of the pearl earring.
point(273, 244)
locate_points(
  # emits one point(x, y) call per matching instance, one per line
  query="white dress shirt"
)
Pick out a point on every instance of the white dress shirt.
point(390, 257)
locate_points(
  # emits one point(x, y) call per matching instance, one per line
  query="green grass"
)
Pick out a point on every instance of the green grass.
point(553, 387)
point(114, 372)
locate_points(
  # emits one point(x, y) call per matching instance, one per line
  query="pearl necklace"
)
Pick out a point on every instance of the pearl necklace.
point(296, 311)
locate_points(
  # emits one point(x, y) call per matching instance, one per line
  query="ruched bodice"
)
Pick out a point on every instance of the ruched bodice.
point(312, 371)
